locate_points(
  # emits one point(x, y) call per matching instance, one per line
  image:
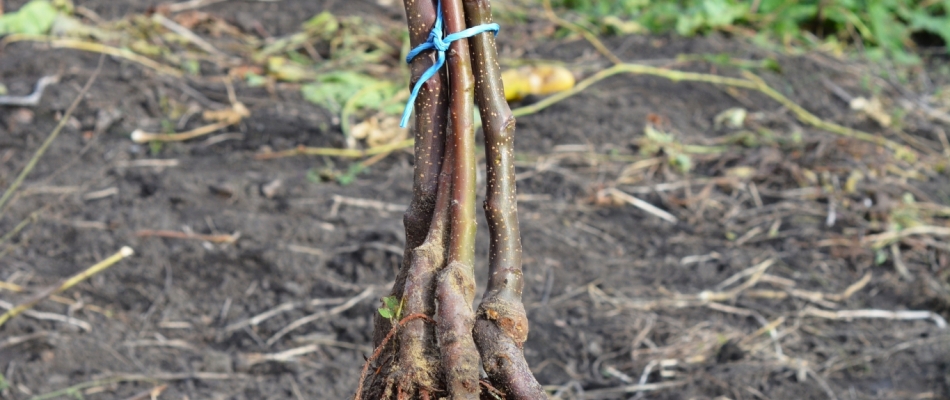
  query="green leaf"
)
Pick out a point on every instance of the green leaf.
point(255, 80)
point(657, 135)
point(391, 302)
point(724, 12)
point(313, 176)
point(34, 18)
point(880, 257)
point(772, 65)
point(682, 163)
point(192, 67)
point(688, 24)
point(386, 313)
point(940, 26)
point(323, 25)
point(155, 147)
point(348, 177)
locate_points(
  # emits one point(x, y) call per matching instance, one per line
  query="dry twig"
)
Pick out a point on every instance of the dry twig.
point(647, 207)
point(95, 269)
point(322, 314)
point(189, 235)
point(848, 315)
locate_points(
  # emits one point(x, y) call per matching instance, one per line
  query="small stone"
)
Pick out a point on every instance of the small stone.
point(23, 116)
point(271, 189)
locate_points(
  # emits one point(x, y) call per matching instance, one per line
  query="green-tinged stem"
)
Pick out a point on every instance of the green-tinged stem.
point(455, 290)
point(502, 325)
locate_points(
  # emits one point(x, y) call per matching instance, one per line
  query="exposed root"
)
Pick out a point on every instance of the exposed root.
point(382, 346)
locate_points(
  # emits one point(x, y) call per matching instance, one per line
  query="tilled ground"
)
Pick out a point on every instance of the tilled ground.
point(613, 292)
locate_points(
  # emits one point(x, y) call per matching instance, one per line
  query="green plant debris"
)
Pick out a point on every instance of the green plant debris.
point(287, 70)
point(726, 60)
point(678, 154)
point(882, 27)
point(322, 26)
point(880, 257)
point(349, 176)
point(334, 89)
point(255, 80)
point(34, 18)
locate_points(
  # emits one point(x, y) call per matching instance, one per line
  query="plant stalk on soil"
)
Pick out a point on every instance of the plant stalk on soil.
point(72, 281)
point(438, 357)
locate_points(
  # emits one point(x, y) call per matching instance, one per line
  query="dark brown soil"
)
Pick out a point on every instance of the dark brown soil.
point(172, 303)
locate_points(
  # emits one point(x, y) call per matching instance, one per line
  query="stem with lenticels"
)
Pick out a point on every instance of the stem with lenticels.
point(502, 324)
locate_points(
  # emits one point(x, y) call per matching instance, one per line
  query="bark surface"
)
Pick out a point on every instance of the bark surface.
point(436, 351)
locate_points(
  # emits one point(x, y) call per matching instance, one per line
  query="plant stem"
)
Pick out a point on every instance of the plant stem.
point(429, 145)
point(455, 290)
point(430, 108)
point(425, 222)
point(462, 246)
point(417, 340)
point(124, 252)
point(501, 208)
point(502, 324)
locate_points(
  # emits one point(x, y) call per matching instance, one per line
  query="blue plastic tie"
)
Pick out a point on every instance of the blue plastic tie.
point(440, 45)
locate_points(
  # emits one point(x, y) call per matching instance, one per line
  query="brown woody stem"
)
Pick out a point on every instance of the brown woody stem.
point(430, 108)
point(417, 341)
point(425, 221)
point(502, 325)
point(456, 286)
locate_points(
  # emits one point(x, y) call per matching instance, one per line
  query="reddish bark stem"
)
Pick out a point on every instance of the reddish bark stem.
point(430, 109)
point(413, 365)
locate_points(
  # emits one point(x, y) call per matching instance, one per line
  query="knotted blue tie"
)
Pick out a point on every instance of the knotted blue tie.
point(440, 45)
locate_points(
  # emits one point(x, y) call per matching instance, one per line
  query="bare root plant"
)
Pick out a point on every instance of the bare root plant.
point(431, 343)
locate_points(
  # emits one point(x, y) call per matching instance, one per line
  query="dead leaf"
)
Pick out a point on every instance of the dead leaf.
point(873, 108)
point(191, 19)
point(742, 172)
point(379, 130)
point(232, 115)
point(732, 118)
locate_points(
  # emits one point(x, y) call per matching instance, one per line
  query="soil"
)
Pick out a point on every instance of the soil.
point(173, 305)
